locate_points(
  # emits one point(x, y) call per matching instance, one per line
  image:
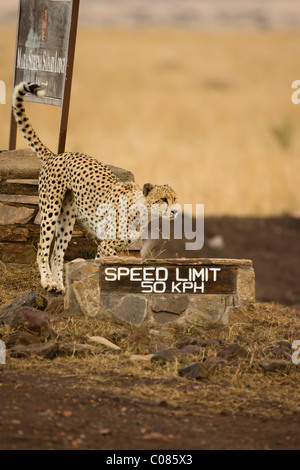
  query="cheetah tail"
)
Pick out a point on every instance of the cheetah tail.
point(22, 120)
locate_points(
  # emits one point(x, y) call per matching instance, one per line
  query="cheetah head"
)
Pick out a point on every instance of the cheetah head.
point(161, 200)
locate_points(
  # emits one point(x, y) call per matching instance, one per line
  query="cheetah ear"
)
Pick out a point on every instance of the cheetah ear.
point(167, 184)
point(147, 188)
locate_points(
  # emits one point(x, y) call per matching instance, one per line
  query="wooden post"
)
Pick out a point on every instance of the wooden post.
point(68, 79)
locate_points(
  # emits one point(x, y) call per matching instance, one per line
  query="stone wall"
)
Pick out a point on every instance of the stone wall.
point(87, 296)
point(19, 211)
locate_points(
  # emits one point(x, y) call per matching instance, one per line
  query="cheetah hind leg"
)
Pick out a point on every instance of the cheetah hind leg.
point(64, 229)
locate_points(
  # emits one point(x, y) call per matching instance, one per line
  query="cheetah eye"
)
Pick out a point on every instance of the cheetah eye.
point(164, 200)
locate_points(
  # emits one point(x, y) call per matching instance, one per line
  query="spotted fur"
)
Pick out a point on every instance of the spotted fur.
point(74, 185)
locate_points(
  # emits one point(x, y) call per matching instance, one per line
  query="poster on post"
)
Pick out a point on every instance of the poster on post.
point(45, 54)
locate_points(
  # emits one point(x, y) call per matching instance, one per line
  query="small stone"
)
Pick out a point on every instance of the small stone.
point(31, 319)
point(196, 370)
point(14, 234)
point(174, 304)
point(192, 340)
point(163, 356)
point(271, 365)
point(16, 252)
point(19, 198)
point(242, 339)
point(129, 308)
point(215, 362)
point(138, 338)
point(87, 293)
point(20, 163)
point(28, 299)
point(192, 349)
point(10, 215)
point(232, 352)
point(22, 338)
point(47, 350)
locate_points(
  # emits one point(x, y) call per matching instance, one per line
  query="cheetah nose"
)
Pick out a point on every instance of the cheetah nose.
point(174, 212)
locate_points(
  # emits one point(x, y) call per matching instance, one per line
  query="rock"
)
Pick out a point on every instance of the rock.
point(21, 163)
point(164, 356)
point(19, 186)
point(232, 352)
point(245, 285)
point(19, 199)
point(14, 252)
point(31, 319)
point(24, 164)
point(47, 350)
point(196, 370)
point(155, 347)
point(22, 338)
point(87, 293)
point(192, 349)
point(138, 338)
point(279, 348)
point(242, 339)
point(14, 234)
point(28, 299)
point(10, 215)
point(271, 365)
point(215, 362)
point(192, 340)
point(67, 349)
point(175, 304)
point(130, 308)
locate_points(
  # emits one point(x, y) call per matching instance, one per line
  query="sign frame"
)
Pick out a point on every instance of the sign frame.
point(168, 279)
point(64, 102)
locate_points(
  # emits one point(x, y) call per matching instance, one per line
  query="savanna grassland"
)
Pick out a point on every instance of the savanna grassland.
point(209, 112)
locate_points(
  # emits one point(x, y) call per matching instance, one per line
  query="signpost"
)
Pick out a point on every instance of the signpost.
point(168, 279)
point(45, 48)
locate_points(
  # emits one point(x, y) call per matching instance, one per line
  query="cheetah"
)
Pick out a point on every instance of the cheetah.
point(73, 186)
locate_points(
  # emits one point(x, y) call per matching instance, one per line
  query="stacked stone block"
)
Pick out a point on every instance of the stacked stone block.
point(19, 211)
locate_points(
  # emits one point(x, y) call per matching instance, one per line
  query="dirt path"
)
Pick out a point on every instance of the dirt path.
point(55, 412)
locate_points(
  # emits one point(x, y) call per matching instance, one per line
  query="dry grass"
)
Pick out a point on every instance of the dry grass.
point(240, 387)
point(210, 112)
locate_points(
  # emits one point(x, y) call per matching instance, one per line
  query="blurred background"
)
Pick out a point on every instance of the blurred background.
point(196, 93)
